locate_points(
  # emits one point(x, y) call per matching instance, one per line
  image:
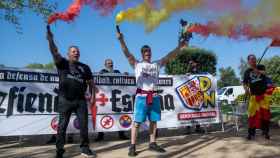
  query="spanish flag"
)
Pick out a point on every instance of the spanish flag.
point(259, 108)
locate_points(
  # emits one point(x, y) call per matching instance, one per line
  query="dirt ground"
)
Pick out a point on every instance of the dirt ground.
point(215, 144)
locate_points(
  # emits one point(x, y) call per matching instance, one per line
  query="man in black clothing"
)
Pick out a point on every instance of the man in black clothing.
point(109, 68)
point(255, 86)
point(74, 79)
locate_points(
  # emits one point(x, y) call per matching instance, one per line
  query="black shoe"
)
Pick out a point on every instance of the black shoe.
point(132, 151)
point(86, 152)
point(52, 140)
point(250, 137)
point(70, 140)
point(251, 133)
point(155, 147)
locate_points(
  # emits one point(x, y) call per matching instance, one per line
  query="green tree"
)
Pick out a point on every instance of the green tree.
point(227, 77)
point(180, 65)
point(2, 65)
point(35, 66)
point(48, 66)
point(11, 10)
point(273, 69)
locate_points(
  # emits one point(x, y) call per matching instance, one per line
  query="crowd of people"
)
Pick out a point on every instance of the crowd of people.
point(75, 77)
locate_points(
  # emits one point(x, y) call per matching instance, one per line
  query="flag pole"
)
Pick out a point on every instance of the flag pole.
point(266, 49)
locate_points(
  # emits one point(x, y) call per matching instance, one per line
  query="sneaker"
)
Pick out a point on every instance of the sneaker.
point(154, 147)
point(132, 151)
point(86, 152)
point(250, 137)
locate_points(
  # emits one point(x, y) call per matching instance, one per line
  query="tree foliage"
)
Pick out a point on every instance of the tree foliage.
point(180, 65)
point(273, 69)
point(11, 10)
point(48, 66)
point(227, 77)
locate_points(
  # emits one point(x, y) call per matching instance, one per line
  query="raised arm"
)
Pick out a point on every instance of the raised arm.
point(131, 59)
point(53, 48)
point(171, 55)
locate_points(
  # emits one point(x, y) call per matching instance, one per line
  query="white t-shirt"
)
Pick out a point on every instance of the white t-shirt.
point(147, 75)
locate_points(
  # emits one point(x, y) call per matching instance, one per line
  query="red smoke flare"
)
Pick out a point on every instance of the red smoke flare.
point(246, 30)
point(106, 6)
point(74, 9)
point(70, 14)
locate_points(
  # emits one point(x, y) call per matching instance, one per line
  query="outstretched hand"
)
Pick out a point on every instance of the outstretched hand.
point(119, 35)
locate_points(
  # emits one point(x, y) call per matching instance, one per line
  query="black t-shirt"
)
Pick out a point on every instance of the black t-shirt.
point(72, 79)
point(104, 71)
point(256, 82)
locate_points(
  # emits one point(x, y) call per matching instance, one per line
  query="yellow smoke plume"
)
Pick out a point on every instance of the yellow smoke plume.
point(152, 17)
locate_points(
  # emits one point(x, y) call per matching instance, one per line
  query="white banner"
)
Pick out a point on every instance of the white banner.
point(28, 102)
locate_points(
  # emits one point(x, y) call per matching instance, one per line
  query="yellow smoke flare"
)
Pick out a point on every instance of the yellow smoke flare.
point(120, 17)
point(151, 17)
point(262, 20)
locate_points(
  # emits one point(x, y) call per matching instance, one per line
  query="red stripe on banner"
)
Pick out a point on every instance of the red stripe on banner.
point(196, 115)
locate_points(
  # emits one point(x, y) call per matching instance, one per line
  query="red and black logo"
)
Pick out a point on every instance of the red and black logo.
point(107, 122)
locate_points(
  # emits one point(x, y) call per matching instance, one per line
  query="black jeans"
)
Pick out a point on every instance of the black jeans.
point(264, 128)
point(66, 108)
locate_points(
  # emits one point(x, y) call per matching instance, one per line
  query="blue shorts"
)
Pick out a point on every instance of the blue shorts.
point(142, 110)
